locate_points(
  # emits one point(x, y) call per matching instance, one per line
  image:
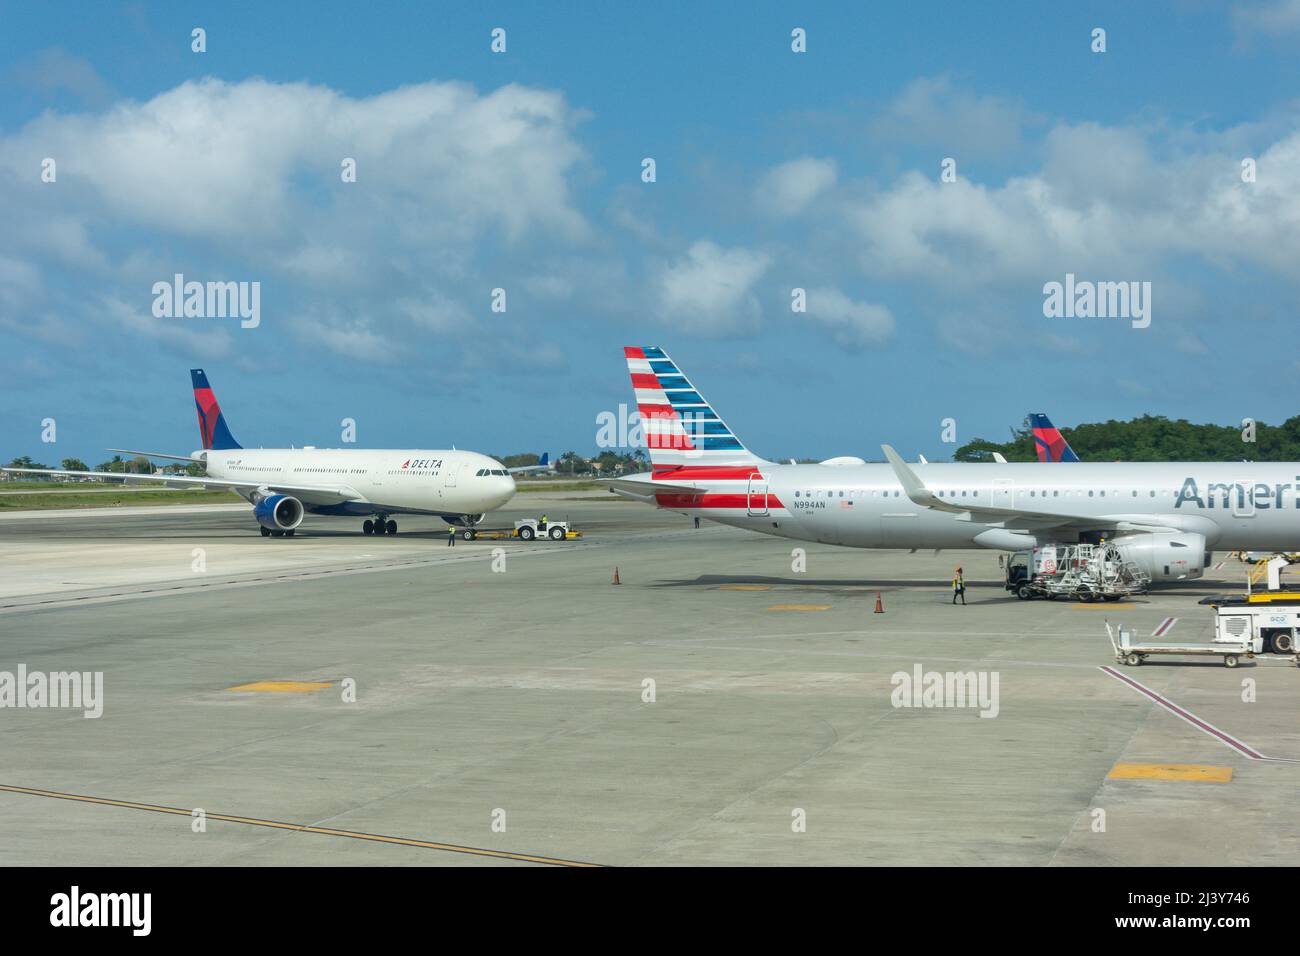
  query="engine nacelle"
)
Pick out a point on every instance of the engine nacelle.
point(1166, 555)
point(278, 512)
point(464, 521)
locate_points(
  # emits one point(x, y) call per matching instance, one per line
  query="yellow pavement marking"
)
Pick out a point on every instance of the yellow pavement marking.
point(284, 686)
point(299, 827)
point(800, 607)
point(744, 587)
point(1170, 771)
point(1101, 607)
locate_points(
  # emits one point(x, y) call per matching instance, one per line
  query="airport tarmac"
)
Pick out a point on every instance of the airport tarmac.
point(500, 712)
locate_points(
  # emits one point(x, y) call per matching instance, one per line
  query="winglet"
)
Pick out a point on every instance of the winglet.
point(911, 485)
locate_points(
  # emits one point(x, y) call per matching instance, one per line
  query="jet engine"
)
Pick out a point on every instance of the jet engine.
point(463, 521)
point(278, 512)
point(1166, 555)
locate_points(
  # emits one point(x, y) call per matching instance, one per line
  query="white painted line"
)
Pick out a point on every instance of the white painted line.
point(1204, 726)
point(1165, 627)
point(126, 512)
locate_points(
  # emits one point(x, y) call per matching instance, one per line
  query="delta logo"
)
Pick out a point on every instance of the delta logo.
point(422, 464)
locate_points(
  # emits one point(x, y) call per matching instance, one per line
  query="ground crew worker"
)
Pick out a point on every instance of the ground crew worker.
point(542, 525)
point(451, 536)
point(697, 521)
point(959, 588)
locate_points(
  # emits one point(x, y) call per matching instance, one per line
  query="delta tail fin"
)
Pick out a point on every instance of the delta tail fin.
point(212, 424)
point(682, 431)
point(1048, 441)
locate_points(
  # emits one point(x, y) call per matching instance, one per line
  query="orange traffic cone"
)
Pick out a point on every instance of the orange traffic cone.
point(616, 580)
point(880, 608)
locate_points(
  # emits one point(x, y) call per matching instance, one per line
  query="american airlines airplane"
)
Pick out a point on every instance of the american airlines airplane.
point(1164, 517)
point(284, 484)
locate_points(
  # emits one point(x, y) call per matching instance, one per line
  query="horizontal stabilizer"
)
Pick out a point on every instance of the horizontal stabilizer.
point(644, 489)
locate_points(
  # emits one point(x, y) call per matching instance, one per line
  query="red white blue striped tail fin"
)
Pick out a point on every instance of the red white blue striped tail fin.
point(682, 431)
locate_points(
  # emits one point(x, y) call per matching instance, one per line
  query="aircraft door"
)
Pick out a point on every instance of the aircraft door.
point(1003, 489)
point(756, 499)
point(1243, 499)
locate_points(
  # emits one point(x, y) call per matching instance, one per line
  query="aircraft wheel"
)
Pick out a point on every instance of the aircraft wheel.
point(367, 527)
point(392, 527)
point(289, 533)
point(381, 527)
point(266, 532)
point(468, 534)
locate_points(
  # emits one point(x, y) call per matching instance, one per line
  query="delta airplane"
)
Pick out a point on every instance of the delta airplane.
point(1048, 440)
point(1164, 517)
point(284, 484)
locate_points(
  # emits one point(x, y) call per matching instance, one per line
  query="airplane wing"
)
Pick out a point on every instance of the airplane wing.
point(154, 454)
point(313, 494)
point(543, 464)
point(1025, 519)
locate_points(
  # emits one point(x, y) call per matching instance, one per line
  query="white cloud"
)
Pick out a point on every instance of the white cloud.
point(192, 338)
point(55, 69)
point(854, 326)
point(710, 289)
point(351, 338)
point(1265, 17)
point(226, 160)
point(788, 189)
point(436, 313)
point(1103, 202)
point(933, 111)
point(242, 181)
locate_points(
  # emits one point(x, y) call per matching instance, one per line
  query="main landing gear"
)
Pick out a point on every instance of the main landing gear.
point(267, 532)
point(381, 525)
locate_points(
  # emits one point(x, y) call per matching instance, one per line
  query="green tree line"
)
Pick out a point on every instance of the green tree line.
point(1153, 438)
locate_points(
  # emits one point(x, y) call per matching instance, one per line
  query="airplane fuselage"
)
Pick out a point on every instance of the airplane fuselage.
point(1236, 506)
point(395, 481)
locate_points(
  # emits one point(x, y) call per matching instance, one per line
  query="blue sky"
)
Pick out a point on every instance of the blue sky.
point(522, 171)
